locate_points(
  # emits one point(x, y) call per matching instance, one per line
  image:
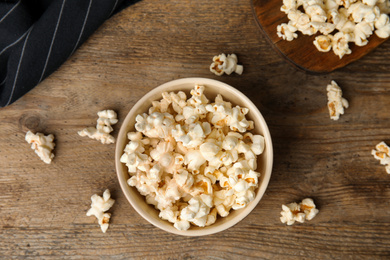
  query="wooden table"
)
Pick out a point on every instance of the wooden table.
point(42, 207)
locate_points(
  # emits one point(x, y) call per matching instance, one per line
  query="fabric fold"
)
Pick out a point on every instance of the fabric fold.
point(36, 37)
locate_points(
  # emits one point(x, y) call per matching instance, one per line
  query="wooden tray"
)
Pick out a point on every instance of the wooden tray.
point(301, 52)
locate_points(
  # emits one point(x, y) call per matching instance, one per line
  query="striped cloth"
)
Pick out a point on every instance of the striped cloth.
point(37, 36)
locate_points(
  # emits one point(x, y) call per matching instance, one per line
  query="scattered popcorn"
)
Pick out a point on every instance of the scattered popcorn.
point(226, 64)
point(103, 127)
point(382, 153)
point(42, 145)
point(349, 21)
point(194, 159)
point(336, 103)
point(98, 208)
point(306, 210)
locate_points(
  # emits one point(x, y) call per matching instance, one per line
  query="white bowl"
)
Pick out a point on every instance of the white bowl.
point(212, 88)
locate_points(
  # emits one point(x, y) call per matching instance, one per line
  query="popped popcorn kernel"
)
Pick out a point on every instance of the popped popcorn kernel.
point(226, 64)
point(99, 206)
point(336, 103)
point(382, 26)
point(294, 212)
point(382, 153)
point(194, 159)
point(287, 31)
point(106, 119)
point(323, 43)
point(42, 145)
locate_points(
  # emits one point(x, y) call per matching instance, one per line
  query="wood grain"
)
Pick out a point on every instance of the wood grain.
point(301, 52)
point(43, 207)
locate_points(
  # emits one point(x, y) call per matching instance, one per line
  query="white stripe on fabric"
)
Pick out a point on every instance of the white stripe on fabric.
point(17, 71)
point(82, 29)
point(15, 42)
point(3, 80)
point(113, 9)
point(10, 11)
point(52, 41)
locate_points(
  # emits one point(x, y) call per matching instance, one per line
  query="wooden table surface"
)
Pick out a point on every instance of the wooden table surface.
point(43, 207)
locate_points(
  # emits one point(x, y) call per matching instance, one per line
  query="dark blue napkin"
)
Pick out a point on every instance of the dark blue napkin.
point(37, 36)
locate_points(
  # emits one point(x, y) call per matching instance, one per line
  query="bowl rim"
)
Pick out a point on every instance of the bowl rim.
point(209, 229)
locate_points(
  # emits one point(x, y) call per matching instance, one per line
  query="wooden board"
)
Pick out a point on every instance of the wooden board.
point(301, 52)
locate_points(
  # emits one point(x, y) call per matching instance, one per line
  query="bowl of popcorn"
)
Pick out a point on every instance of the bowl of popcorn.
point(194, 156)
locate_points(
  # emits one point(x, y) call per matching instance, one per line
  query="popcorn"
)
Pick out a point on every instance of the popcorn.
point(361, 32)
point(370, 2)
point(184, 180)
point(324, 28)
point(196, 212)
point(98, 208)
point(362, 12)
point(155, 125)
point(256, 143)
point(309, 208)
point(134, 160)
point(42, 145)
point(384, 6)
point(145, 185)
point(336, 103)
point(288, 5)
point(222, 115)
point(103, 127)
point(316, 13)
point(213, 173)
point(193, 159)
point(169, 214)
point(198, 97)
point(345, 3)
point(172, 191)
point(202, 186)
point(382, 153)
point(301, 21)
point(163, 153)
point(382, 26)
point(340, 44)
point(191, 136)
point(223, 202)
point(230, 141)
point(243, 199)
point(237, 120)
point(323, 43)
point(209, 149)
point(330, 5)
point(182, 225)
point(287, 31)
point(293, 212)
point(211, 217)
point(349, 20)
point(225, 64)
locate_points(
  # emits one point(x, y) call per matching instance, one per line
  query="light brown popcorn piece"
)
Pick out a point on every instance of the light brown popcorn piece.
point(382, 153)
